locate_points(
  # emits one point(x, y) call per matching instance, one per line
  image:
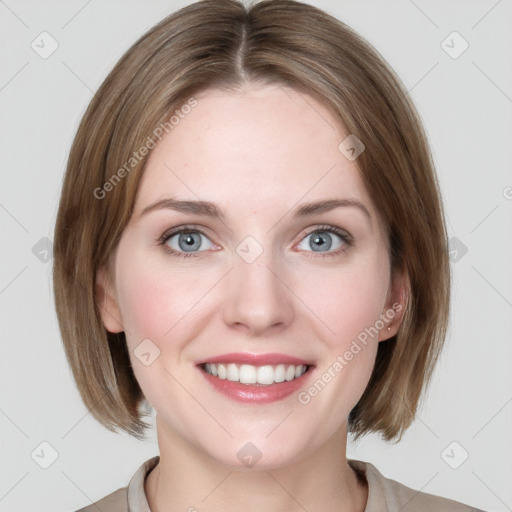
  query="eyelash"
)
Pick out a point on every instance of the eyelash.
point(345, 237)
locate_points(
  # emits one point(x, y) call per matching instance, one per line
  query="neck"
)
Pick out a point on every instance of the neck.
point(187, 479)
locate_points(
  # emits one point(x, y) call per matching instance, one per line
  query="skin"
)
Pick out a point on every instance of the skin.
point(257, 153)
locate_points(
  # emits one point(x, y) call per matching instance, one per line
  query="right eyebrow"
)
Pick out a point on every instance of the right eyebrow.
point(198, 207)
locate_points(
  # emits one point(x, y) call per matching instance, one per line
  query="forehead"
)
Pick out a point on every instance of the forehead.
point(266, 146)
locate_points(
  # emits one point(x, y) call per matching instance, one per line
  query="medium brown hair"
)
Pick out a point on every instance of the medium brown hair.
point(224, 44)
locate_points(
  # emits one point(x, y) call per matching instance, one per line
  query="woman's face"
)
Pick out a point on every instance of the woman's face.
point(259, 283)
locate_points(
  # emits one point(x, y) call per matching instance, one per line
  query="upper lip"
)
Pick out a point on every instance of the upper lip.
point(256, 359)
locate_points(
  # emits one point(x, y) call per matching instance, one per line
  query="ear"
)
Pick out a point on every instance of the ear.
point(107, 303)
point(396, 304)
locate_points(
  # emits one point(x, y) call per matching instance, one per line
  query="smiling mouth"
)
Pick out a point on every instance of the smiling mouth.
point(265, 375)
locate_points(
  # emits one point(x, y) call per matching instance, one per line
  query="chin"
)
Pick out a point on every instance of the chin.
point(258, 452)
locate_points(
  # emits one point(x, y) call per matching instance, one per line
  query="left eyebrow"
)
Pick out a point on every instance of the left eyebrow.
point(209, 209)
point(313, 208)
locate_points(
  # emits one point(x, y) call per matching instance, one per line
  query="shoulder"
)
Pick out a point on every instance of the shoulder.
point(398, 497)
point(126, 499)
point(114, 502)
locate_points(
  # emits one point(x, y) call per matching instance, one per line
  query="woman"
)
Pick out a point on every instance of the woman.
point(252, 233)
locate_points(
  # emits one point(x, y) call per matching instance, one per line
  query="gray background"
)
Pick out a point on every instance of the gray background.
point(466, 104)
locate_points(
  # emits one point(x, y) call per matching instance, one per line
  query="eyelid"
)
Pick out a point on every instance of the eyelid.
point(182, 229)
point(329, 228)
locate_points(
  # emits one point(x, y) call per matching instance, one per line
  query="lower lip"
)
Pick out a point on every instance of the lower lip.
point(256, 393)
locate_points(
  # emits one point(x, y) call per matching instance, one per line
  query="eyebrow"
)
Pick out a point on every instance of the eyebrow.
point(209, 209)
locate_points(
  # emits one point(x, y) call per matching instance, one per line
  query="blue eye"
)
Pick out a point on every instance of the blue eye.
point(326, 239)
point(186, 242)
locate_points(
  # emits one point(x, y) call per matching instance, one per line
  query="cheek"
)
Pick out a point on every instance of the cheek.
point(159, 301)
point(141, 300)
point(150, 300)
point(349, 302)
point(156, 305)
point(350, 306)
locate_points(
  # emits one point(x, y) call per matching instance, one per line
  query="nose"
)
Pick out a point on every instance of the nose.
point(257, 298)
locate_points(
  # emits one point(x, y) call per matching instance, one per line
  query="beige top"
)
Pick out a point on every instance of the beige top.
point(384, 494)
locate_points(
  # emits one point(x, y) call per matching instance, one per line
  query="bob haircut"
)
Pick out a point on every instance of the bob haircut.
point(224, 44)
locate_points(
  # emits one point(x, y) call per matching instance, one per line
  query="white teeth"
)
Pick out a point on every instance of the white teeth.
point(265, 375)
point(280, 373)
point(221, 370)
point(249, 374)
point(233, 373)
point(290, 373)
